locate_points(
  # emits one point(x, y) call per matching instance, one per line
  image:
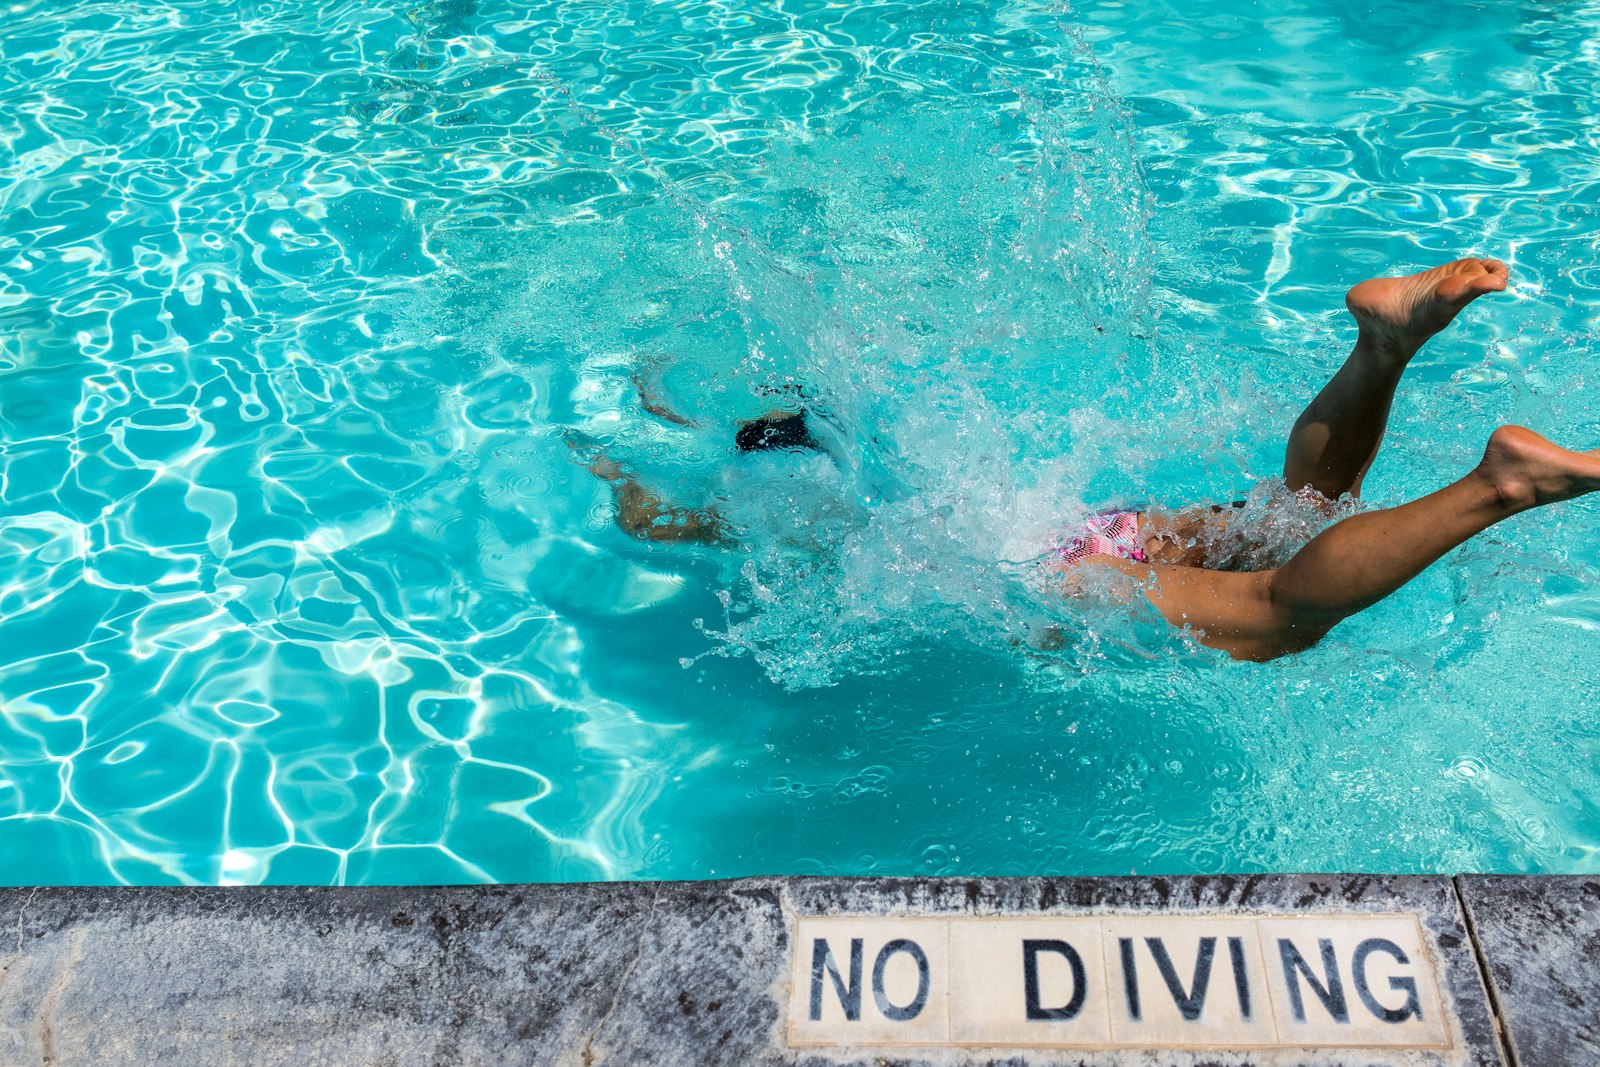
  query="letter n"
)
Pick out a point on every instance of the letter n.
point(849, 993)
point(1295, 967)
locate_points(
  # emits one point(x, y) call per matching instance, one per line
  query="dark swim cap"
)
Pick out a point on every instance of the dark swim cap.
point(776, 432)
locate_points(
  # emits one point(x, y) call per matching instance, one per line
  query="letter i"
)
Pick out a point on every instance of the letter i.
point(1241, 981)
point(1130, 976)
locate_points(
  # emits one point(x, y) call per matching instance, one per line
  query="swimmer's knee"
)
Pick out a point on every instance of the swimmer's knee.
point(671, 529)
point(1267, 647)
point(1294, 636)
point(1289, 629)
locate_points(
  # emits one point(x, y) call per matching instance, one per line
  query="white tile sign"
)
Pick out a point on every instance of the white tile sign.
point(1116, 981)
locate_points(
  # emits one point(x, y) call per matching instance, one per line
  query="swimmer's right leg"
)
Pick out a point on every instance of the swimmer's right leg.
point(1357, 562)
point(1337, 437)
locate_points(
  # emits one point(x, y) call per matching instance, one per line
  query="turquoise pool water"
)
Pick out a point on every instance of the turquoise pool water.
point(299, 303)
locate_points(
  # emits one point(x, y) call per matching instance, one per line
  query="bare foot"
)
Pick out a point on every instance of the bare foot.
point(1399, 314)
point(1527, 470)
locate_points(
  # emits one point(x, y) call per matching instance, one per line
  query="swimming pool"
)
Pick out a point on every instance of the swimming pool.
point(299, 581)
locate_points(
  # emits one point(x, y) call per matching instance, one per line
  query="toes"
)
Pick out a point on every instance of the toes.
point(1462, 289)
point(1479, 276)
point(1494, 279)
point(1493, 267)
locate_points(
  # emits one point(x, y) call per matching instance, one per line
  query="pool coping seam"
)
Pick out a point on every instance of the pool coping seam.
point(1490, 990)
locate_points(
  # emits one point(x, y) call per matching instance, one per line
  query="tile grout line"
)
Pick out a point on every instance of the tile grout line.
point(1502, 1026)
point(949, 990)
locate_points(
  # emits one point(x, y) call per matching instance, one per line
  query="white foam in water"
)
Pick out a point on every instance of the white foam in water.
point(951, 393)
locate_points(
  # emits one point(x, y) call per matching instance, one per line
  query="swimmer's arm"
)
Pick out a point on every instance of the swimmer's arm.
point(655, 405)
point(645, 515)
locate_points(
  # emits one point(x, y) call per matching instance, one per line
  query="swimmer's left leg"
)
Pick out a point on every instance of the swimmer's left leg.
point(1337, 437)
point(1355, 563)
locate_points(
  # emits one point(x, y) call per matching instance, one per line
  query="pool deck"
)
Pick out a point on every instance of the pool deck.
point(1273, 969)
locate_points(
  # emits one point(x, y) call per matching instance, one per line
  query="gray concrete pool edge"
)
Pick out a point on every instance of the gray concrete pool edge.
point(683, 972)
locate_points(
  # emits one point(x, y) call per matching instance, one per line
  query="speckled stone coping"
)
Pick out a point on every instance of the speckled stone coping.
point(710, 973)
point(1540, 939)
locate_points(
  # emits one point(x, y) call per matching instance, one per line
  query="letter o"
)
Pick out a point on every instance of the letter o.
point(890, 1010)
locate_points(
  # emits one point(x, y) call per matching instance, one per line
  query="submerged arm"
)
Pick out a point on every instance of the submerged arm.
point(655, 405)
point(645, 515)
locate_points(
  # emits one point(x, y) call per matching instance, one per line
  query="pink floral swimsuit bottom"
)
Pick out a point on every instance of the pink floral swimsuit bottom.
point(1110, 533)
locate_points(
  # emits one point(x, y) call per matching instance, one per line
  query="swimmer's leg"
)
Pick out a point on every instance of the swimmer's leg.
point(1337, 437)
point(1183, 538)
point(1357, 562)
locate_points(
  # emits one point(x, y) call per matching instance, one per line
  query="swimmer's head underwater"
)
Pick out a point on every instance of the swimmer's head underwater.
point(1263, 614)
point(777, 431)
